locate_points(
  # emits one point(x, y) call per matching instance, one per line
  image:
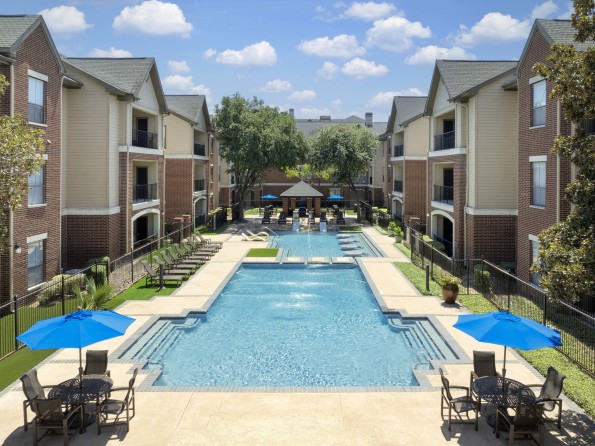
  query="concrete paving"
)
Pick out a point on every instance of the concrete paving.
point(296, 416)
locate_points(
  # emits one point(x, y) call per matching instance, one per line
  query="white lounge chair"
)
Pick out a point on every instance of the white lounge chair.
point(255, 238)
point(260, 234)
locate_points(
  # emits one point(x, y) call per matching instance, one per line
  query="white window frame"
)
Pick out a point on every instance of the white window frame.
point(538, 181)
point(33, 243)
point(35, 97)
point(534, 248)
point(37, 190)
point(538, 82)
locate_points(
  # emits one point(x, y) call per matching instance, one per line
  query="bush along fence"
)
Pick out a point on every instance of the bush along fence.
point(501, 287)
point(57, 297)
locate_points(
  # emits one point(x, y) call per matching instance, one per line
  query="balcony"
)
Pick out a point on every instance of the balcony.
point(444, 194)
point(398, 186)
point(361, 180)
point(444, 141)
point(141, 138)
point(199, 150)
point(145, 192)
point(199, 185)
point(399, 150)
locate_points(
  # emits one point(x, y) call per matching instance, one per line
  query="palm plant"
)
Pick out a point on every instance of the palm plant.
point(94, 298)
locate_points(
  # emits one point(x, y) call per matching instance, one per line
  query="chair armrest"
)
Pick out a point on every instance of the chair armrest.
point(73, 411)
point(118, 389)
point(466, 389)
point(534, 385)
point(545, 400)
point(501, 412)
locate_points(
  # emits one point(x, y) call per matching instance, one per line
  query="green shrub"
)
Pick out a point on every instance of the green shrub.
point(483, 282)
point(52, 291)
point(391, 227)
point(398, 231)
point(99, 270)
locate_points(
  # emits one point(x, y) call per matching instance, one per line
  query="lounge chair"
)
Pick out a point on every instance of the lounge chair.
point(188, 253)
point(178, 262)
point(152, 276)
point(50, 417)
point(255, 238)
point(528, 420)
point(549, 395)
point(112, 411)
point(208, 241)
point(260, 234)
point(167, 269)
point(199, 245)
point(266, 219)
point(459, 405)
point(340, 218)
point(282, 218)
point(323, 217)
point(96, 363)
point(484, 364)
point(33, 391)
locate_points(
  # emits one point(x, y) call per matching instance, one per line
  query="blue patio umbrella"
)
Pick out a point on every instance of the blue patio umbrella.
point(335, 197)
point(269, 197)
point(76, 330)
point(509, 330)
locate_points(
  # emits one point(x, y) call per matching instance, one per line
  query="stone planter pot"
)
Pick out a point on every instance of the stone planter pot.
point(450, 293)
point(398, 238)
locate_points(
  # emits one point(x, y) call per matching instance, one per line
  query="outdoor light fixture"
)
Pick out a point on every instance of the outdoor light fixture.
point(17, 249)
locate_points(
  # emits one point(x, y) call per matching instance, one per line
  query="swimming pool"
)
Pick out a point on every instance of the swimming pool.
point(324, 244)
point(291, 326)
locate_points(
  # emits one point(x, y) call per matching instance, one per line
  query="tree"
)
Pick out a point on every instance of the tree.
point(255, 138)
point(566, 256)
point(21, 154)
point(307, 173)
point(347, 150)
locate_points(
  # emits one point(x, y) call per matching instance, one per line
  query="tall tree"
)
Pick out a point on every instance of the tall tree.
point(21, 154)
point(255, 138)
point(566, 257)
point(347, 150)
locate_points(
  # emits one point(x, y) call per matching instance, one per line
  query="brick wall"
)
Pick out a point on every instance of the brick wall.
point(179, 188)
point(89, 237)
point(35, 53)
point(491, 237)
point(533, 142)
point(415, 193)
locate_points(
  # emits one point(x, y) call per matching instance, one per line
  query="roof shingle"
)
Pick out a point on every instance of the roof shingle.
point(561, 31)
point(409, 107)
point(12, 27)
point(460, 76)
point(188, 106)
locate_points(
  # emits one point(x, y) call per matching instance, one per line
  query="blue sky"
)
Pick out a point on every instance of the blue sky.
point(318, 57)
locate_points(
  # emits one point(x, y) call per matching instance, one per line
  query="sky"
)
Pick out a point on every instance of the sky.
point(317, 57)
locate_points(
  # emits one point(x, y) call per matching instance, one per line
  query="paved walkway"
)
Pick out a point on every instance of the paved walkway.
point(289, 418)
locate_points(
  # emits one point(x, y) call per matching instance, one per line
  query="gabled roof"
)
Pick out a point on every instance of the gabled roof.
point(14, 29)
point(189, 107)
point(408, 108)
point(301, 189)
point(123, 76)
point(555, 31)
point(462, 78)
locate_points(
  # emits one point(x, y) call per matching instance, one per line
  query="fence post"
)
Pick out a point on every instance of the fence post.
point(427, 277)
point(62, 295)
point(96, 274)
point(544, 308)
point(432, 263)
point(132, 265)
point(16, 322)
point(468, 278)
point(481, 281)
point(508, 289)
point(151, 252)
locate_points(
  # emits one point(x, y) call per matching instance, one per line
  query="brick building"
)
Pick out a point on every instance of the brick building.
point(30, 62)
point(543, 176)
point(114, 168)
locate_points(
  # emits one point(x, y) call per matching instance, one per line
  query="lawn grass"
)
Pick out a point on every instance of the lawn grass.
point(348, 228)
point(401, 247)
point(253, 211)
point(263, 252)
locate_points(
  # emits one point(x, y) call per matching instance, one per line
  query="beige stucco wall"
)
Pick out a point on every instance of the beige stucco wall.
point(379, 166)
point(471, 153)
point(441, 103)
point(147, 98)
point(417, 137)
point(496, 150)
point(178, 136)
point(86, 148)
point(113, 173)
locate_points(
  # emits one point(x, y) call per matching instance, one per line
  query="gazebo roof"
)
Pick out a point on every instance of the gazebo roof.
point(301, 189)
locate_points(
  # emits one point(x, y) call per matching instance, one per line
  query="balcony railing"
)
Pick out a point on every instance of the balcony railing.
point(538, 116)
point(398, 186)
point(142, 138)
point(399, 150)
point(444, 141)
point(447, 244)
point(199, 149)
point(361, 180)
point(145, 192)
point(36, 113)
point(199, 185)
point(444, 194)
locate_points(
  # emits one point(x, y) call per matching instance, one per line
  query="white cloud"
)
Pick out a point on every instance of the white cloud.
point(176, 83)
point(153, 17)
point(208, 54)
point(395, 33)
point(429, 54)
point(494, 27)
point(369, 10)
point(566, 14)
point(112, 52)
point(385, 98)
point(65, 19)
point(337, 102)
point(361, 68)
point(327, 71)
point(261, 53)
point(302, 96)
point(178, 66)
point(276, 86)
point(312, 113)
point(342, 45)
point(544, 10)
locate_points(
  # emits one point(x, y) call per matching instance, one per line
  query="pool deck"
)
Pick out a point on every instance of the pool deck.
point(292, 417)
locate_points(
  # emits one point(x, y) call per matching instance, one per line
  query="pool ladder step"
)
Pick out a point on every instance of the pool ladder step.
point(417, 337)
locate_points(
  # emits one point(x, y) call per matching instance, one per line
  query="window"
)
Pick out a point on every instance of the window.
point(36, 100)
point(538, 183)
point(538, 98)
point(535, 278)
point(36, 189)
point(35, 262)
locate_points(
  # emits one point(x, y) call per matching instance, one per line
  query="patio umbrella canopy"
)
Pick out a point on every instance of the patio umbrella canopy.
point(76, 330)
point(335, 197)
point(509, 330)
point(269, 197)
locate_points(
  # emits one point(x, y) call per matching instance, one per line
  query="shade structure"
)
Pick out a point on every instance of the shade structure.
point(269, 197)
point(509, 330)
point(335, 197)
point(76, 330)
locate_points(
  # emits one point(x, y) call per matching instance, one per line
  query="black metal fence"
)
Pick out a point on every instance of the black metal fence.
point(507, 291)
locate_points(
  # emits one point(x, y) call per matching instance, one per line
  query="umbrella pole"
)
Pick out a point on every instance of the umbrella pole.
point(504, 366)
point(80, 368)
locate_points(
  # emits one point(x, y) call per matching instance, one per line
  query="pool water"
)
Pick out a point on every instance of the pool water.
point(321, 244)
point(288, 325)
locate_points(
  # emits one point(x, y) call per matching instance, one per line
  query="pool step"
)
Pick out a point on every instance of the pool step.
point(422, 337)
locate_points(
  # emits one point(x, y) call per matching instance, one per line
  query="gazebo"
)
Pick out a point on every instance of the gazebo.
point(301, 190)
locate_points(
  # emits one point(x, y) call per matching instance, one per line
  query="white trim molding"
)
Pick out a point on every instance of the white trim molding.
point(179, 156)
point(36, 75)
point(448, 152)
point(91, 211)
point(538, 159)
point(145, 205)
point(415, 157)
point(36, 238)
point(533, 238)
point(494, 212)
point(141, 150)
point(398, 195)
point(535, 79)
point(443, 206)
